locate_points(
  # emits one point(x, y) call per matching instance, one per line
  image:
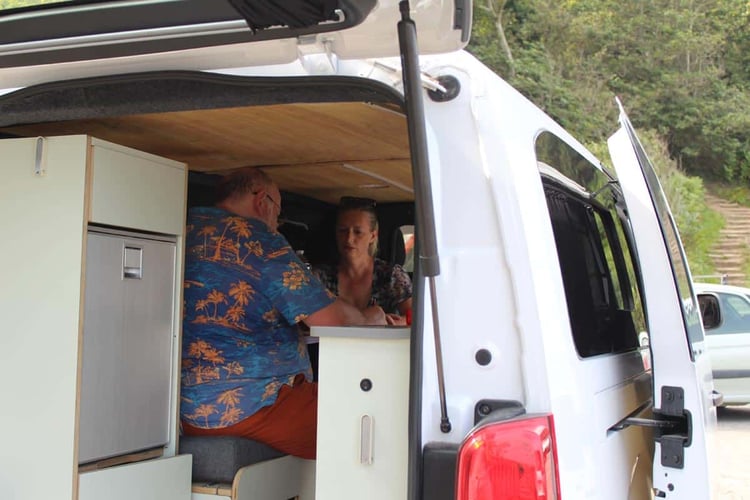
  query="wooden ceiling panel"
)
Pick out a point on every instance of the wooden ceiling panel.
point(383, 180)
point(323, 150)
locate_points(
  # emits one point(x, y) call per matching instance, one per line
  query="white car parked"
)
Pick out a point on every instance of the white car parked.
point(728, 338)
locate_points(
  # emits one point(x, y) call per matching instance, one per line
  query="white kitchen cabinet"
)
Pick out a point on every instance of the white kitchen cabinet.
point(53, 189)
point(363, 419)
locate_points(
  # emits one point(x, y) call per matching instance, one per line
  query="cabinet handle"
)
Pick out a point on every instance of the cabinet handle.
point(40, 158)
point(366, 438)
point(132, 263)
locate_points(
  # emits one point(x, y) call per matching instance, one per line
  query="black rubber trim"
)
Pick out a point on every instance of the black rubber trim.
point(166, 91)
point(440, 461)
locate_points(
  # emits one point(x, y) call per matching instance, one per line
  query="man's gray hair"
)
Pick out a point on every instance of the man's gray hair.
point(242, 181)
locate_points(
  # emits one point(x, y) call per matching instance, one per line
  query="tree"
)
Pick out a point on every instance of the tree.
point(680, 66)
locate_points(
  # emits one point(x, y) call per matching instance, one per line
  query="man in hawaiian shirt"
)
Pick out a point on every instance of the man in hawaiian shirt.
point(245, 368)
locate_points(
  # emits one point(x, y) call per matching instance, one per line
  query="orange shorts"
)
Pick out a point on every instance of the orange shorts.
point(290, 424)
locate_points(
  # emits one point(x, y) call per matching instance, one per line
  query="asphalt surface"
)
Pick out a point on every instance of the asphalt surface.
point(733, 444)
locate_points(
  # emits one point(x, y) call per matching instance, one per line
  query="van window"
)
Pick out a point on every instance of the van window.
point(599, 274)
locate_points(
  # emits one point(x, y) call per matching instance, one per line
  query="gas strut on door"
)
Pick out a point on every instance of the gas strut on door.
point(426, 236)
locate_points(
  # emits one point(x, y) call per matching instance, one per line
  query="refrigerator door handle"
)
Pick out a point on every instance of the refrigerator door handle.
point(132, 262)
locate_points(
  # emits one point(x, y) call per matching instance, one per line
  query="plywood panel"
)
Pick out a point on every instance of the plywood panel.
point(383, 180)
point(303, 146)
point(220, 139)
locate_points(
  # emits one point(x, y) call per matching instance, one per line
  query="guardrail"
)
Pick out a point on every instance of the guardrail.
point(721, 277)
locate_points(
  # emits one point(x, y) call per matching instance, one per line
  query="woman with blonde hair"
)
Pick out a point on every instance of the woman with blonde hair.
point(359, 277)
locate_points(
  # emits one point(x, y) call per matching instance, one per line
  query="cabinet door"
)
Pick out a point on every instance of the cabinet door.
point(136, 190)
point(362, 413)
point(127, 344)
point(163, 479)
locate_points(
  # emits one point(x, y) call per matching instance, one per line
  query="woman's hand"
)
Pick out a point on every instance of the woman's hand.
point(374, 315)
point(395, 320)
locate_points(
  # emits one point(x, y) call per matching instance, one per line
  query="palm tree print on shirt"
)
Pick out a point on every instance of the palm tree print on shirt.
point(202, 351)
point(217, 309)
point(230, 399)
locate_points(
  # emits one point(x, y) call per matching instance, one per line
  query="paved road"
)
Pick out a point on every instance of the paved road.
point(733, 442)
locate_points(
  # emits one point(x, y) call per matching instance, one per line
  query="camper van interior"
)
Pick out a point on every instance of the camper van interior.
point(316, 152)
point(341, 139)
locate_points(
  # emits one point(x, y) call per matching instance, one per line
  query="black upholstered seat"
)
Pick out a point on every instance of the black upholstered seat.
point(217, 459)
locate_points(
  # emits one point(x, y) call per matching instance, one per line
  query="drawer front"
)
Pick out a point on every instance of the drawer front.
point(137, 190)
point(162, 479)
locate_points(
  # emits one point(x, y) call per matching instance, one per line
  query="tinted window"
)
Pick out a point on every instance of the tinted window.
point(593, 246)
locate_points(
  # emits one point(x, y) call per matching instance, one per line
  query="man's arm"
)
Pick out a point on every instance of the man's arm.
point(341, 313)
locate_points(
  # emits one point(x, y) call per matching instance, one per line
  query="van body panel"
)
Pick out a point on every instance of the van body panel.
point(443, 26)
point(671, 349)
point(496, 244)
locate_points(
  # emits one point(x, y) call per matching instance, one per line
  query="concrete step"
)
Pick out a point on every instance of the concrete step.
point(729, 265)
point(731, 251)
point(736, 280)
point(731, 244)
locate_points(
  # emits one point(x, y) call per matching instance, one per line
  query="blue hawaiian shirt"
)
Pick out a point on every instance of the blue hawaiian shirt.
point(245, 291)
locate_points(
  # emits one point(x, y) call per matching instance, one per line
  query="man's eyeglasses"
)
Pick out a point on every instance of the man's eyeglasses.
point(356, 202)
point(277, 205)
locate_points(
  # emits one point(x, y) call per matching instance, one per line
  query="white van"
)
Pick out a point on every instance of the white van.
point(556, 349)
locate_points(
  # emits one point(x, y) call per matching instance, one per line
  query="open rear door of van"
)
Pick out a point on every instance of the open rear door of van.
point(682, 407)
point(59, 40)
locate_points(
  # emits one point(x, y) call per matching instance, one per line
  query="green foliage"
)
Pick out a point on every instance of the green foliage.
point(681, 68)
point(698, 225)
point(11, 4)
point(737, 194)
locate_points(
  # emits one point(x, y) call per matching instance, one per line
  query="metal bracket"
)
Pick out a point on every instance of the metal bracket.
point(679, 437)
point(673, 451)
point(672, 401)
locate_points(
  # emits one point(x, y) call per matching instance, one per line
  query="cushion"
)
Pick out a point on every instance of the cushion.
point(217, 459)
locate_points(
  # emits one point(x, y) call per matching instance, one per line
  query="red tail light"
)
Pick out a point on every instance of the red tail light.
point(513, 460)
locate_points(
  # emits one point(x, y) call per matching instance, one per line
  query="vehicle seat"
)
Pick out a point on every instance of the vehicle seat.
point(216, 459)
point(398, 249)
point(234, 468)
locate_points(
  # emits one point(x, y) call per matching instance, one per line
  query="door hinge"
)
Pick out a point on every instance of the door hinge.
point(675, 440)
point(672, 424)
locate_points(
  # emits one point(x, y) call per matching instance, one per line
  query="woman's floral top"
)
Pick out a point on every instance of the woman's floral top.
point(390, 283)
